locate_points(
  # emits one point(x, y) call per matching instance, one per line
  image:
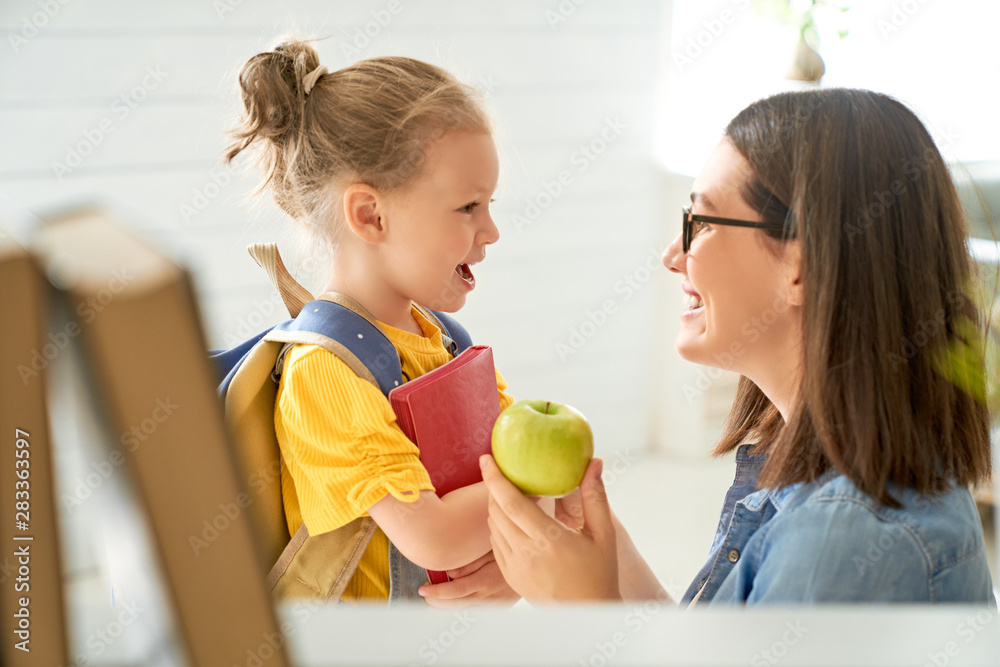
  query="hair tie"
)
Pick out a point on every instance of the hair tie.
point(310, 79)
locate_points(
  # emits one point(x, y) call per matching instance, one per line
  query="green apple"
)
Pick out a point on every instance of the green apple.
point(542, 447)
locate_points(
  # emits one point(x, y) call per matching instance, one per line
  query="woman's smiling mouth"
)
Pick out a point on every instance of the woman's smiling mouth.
point(692, 301)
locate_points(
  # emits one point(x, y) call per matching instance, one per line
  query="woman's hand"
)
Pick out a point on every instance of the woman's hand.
point(478, 583)
point(569, 510)
point(544, 560)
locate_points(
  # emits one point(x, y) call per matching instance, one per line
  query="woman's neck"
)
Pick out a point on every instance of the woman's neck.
point(779, 375)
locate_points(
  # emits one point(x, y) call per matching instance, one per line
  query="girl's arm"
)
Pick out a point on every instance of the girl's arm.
point(440, 533)
point(437, 533)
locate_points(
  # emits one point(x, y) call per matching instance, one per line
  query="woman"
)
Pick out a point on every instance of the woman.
point(831, 215)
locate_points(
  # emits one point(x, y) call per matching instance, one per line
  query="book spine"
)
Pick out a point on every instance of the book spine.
point(29, 524)
point(404, 417)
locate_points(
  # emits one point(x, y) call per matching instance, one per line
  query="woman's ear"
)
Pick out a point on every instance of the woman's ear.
point(793, 262)
point(363, 212)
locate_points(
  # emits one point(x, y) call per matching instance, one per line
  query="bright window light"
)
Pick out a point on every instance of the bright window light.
point(939, 58)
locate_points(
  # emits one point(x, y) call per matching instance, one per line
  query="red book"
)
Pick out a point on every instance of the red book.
point(449, 415)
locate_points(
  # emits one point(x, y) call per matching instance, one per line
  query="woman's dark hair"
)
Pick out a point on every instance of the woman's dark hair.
point(888, 313)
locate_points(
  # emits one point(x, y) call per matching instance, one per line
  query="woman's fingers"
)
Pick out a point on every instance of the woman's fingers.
point(597, 520)
point(500, 551)
point(468, 569)
point(569, 510)
point(483, 586)
point(448, 590)
point(499, 541)
point(541, 558)
point(455, 592)
point(507, 500)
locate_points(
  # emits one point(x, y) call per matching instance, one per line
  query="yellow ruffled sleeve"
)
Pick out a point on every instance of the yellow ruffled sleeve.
point(505, 398)
point(339, 442)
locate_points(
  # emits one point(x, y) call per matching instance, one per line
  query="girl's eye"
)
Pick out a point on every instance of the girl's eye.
point(471, 206)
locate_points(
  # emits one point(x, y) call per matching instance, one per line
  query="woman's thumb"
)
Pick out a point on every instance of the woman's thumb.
point(596, 511)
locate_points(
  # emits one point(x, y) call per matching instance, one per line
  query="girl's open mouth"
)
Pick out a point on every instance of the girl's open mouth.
point(465, 273)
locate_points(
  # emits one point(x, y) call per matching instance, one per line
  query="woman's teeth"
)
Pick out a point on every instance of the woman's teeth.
point(691, 301)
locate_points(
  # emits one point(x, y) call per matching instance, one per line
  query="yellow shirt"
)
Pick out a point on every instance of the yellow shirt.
point(341, 449)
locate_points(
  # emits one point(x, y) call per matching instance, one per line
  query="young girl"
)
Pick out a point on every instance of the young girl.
point(391, 162)
point(831, 215)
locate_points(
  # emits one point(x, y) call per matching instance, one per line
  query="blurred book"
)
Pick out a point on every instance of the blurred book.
point(142, 342)
point(31, 595)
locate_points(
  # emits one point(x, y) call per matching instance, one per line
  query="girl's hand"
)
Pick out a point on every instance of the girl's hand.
point(544, 560)
point(480, 582)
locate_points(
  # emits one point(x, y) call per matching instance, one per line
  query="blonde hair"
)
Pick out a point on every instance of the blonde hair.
point(370, 122)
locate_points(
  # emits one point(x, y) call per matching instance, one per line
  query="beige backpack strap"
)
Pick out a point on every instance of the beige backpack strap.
point(320, 566)
point(249, 412)
point(287, 555)
point(292, 293)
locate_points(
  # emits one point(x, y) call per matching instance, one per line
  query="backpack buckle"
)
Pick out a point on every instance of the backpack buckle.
point(449, 344)
point(279, 363)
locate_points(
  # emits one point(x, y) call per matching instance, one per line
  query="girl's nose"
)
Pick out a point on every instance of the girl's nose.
point(490, 233)
point(673, 256)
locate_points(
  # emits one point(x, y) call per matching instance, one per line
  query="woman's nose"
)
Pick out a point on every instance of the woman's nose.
point(673, 256)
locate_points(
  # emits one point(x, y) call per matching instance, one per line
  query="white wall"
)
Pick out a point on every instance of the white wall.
point(80, 79)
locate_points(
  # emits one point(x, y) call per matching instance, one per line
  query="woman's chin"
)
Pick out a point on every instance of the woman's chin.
point(688, 352)
point(695, 352)
point(690, 346)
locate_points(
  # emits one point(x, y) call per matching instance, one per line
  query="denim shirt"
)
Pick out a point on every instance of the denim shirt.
point(827, 541)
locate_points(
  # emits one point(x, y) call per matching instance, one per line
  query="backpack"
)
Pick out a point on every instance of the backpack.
point(315, 566)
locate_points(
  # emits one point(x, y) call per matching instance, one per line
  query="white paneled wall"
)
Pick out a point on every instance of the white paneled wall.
point(143, 92)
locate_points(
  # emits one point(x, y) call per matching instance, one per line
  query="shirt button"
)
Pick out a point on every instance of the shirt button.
point(733, 555)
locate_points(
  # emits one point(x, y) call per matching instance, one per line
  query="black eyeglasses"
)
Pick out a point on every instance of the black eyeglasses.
point(690, 219)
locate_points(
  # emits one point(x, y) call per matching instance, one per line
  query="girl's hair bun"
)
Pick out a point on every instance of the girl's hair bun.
point(273, 94)
point(372, 122)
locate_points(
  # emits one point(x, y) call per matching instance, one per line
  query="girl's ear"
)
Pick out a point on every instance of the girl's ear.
point(362, 211)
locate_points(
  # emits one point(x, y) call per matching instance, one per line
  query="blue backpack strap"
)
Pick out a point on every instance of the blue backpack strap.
point(350, 330)
point(342, 326)
point(458, 339)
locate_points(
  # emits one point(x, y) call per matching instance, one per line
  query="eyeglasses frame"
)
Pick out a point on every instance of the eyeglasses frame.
point(689, 218)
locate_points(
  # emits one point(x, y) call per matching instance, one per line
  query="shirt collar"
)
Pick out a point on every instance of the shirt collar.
point(748, 464)
point(785, 496)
